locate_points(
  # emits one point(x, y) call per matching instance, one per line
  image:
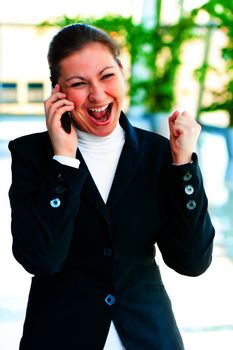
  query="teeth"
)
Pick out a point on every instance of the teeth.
point(98, 109)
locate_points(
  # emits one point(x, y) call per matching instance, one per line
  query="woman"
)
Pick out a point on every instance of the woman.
point(89, 204)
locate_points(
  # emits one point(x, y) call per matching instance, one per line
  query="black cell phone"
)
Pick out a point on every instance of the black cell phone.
point(66, 122)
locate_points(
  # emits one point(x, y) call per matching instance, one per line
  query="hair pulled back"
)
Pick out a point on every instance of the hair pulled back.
point(73, 38)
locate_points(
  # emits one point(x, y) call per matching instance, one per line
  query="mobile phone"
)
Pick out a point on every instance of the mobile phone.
point(66, 122)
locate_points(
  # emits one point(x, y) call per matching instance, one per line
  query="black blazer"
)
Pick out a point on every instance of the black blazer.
point(93, 263)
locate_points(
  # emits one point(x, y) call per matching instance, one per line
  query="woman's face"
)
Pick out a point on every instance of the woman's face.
point(94, 82)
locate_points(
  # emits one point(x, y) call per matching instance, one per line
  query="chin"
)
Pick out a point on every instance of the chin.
point(105, 131)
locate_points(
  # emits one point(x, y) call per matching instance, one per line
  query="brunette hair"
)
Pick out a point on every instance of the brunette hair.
point(73, 38)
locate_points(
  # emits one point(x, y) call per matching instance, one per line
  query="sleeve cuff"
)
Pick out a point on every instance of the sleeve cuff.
point(194, 159)
point(73, 162)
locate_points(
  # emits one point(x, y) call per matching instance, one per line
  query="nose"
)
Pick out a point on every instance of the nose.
point(96, 93)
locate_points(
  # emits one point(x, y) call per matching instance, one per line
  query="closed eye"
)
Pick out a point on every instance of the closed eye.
point(78, 84)
point(107, 76)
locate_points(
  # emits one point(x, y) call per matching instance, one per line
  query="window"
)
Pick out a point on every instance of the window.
point(35, 92)
point(8, 92)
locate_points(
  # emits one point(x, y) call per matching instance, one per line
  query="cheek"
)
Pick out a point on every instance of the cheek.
point(117, 90)
point(78, 98)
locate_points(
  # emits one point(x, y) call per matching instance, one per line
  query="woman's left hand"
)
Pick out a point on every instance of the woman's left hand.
point(184, 132)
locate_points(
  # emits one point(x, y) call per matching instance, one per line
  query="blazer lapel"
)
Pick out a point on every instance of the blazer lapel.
point(129, 161)
point(90, 191)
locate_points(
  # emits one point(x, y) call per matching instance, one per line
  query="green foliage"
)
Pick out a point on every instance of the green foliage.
point(163, 61)
point(222, 13)
point(123, 26)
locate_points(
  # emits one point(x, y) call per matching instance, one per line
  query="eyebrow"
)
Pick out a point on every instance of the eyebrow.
point(82, 78)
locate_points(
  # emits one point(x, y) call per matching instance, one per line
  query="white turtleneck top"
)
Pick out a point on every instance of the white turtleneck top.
point(101, 155)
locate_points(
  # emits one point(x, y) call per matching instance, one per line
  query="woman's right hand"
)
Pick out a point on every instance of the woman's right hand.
point(56, 105)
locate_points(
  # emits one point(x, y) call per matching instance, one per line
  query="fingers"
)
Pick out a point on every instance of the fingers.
point(55, 106)
point(183, 123)
point(172, 119)
point(59, 107)
point(174, 116)
point(55, 95)
point(184, 132)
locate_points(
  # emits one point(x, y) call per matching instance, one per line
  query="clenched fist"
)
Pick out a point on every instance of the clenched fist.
point(184, 132)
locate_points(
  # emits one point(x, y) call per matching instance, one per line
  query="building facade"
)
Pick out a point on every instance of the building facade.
point(24, 73)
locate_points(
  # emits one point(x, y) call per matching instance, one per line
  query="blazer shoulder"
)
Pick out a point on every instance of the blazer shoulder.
point(152, 139)
point(33, 145)
point(31, 141)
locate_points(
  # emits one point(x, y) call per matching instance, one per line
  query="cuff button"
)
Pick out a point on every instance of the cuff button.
point(110, 299)
point(107, 252)
point(55, 203)
point(187, 176)
point(189, 189)
point(191, 205)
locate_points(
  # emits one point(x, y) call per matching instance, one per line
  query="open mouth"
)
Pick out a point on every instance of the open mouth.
point(100, 115)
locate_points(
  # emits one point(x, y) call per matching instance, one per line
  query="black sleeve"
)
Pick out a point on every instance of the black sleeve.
point(186, 240)
point(45, 200)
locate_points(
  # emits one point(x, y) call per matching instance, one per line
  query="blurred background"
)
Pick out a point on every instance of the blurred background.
point(177, 54)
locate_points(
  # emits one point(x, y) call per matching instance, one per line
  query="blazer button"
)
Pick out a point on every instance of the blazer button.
point(107, 252)
point(187, 176)
point(110, 299)
point(60, 189)
point(191, 205)
point(189, 189)
point(60, 177)
point(55, 203)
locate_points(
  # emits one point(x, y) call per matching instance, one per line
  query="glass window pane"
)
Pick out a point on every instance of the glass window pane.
point(35, 92)
point(8, 92)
